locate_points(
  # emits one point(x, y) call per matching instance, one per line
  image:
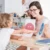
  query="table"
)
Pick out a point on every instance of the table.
point(29, 42)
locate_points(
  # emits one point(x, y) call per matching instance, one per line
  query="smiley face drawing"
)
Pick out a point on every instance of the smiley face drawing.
point(29, 26)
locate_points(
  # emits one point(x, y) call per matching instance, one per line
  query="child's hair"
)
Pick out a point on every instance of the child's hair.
point(5, 18)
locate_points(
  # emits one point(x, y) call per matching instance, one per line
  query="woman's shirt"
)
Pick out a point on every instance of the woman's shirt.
point(39, 23)
point(5, 34)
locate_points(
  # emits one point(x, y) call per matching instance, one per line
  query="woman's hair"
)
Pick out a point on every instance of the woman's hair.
point(37, 4)
point(5, 18)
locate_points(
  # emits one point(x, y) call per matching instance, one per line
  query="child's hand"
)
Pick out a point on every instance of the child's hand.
point(15, 37)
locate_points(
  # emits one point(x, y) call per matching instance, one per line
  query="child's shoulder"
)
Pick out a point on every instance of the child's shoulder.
point(6, 30)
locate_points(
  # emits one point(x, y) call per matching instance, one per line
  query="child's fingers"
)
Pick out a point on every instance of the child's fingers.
point(15, 37)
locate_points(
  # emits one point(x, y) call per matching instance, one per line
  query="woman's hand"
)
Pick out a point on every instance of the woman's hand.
point(29, 31)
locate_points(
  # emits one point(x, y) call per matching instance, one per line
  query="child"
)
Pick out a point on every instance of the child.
point(5, 29)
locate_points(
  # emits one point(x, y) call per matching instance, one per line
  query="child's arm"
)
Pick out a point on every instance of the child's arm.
point(20, 31)
point(17, 31)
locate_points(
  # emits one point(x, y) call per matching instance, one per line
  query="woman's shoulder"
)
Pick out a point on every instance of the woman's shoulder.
point(46, 20)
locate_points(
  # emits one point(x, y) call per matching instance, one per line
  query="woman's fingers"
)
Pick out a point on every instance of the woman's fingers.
point(29, 31)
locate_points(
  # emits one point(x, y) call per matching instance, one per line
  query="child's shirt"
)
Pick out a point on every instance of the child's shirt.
point(5, 34)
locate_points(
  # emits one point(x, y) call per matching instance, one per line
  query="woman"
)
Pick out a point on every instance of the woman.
point(35, 11)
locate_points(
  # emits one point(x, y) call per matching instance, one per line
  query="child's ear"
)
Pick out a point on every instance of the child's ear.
point(8, 24)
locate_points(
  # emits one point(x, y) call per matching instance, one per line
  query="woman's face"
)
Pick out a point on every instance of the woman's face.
point(34, 11)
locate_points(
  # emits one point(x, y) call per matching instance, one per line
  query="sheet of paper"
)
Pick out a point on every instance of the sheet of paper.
point(30, 24)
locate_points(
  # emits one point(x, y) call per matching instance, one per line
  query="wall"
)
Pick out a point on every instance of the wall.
point(2, 6)
point(13, 6)
point(46, 7)
point(16, 6)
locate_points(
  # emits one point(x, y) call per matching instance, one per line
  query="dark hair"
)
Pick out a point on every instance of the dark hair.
point(37, 4)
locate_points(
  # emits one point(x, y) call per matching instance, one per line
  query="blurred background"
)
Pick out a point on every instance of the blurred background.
point(20, 6)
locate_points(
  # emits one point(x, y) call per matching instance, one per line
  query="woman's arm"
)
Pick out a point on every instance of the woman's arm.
point(46, 32)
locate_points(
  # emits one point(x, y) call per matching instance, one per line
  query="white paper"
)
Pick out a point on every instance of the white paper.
point(30, 21)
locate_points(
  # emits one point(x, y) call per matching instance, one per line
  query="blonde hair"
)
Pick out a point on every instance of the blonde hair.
point(4, 20)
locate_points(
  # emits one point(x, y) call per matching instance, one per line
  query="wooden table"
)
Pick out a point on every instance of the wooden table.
point(29, 42)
